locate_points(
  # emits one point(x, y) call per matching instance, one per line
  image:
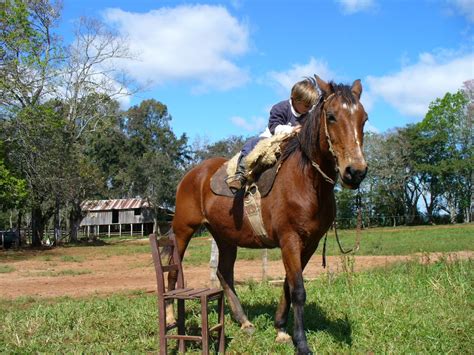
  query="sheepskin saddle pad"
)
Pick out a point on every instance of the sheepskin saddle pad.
point(262, 167)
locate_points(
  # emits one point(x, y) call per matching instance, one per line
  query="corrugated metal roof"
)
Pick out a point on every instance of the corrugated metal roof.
point(117, 204)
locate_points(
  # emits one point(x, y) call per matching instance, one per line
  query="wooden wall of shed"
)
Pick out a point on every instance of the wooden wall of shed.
point(125, 217)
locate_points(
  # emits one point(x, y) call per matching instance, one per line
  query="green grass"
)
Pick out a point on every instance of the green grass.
point(406, 308)
point(72, 258)
point(376, 241)
point(5, 269)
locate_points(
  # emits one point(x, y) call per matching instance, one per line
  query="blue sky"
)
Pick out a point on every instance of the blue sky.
point(219, 66)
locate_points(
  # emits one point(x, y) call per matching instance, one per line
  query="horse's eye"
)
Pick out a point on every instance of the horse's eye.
point(331, 117)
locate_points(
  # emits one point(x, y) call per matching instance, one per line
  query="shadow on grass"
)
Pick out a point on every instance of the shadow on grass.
point(315, 319)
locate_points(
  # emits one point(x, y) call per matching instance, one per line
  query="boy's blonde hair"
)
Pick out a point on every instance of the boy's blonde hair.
point(305, 91)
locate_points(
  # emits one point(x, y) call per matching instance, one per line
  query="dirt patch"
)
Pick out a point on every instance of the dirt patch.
point(49, 277)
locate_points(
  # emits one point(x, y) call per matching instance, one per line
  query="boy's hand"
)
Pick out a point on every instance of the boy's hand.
point(297, 128)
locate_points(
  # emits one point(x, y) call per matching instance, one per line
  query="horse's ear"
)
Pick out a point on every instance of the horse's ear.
point(323, 86)
point(356, 88)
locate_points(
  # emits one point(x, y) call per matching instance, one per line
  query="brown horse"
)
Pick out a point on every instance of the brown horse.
point(296, 213)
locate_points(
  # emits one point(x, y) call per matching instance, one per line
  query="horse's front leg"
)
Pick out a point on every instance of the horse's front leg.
point(291, 254)
point(281, 316)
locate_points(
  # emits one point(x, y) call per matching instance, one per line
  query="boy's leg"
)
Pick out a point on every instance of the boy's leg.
point(240, 178)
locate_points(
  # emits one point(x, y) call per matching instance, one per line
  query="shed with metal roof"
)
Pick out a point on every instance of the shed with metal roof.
point(132, 216)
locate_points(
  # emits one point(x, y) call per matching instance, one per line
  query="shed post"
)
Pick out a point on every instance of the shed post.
point(108, 230)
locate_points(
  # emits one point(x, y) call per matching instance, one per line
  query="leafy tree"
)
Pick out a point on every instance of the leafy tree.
point(226, 148)
point(39, 148)
point(29, 52)
point(443, 151)
point(13, 191)
point(155, 157)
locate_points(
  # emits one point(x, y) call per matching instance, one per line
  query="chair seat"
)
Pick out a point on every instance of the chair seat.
point(193, 293)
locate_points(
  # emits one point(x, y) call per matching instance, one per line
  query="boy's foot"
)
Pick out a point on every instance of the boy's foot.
point(236, 182)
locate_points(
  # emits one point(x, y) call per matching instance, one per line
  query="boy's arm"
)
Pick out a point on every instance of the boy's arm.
point(279, 122)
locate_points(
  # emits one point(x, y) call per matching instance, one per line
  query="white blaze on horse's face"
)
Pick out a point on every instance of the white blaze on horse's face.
point(352, 108)
point(345, 119)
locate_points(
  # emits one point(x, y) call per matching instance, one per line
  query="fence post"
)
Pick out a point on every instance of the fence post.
point(264, 264)
point(213, 263)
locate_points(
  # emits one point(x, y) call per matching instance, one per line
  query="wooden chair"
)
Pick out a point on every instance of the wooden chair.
point(181, 294)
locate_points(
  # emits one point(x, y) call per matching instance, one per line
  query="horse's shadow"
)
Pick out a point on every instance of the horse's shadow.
point(315, 319)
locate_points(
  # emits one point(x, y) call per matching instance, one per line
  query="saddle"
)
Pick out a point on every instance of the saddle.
point(262, 163)
point(264, 181)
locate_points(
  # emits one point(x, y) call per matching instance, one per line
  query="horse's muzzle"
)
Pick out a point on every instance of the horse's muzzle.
point(352, 176)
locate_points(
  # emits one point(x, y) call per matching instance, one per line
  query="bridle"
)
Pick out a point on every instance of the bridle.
point(328, 138)
point(333, 182)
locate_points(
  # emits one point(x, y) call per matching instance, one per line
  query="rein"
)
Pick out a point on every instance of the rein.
point(358, 232)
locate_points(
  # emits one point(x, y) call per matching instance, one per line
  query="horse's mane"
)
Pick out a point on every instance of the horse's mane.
point(308, 138)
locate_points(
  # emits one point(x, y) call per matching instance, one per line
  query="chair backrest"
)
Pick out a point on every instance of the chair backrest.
point(166, 259)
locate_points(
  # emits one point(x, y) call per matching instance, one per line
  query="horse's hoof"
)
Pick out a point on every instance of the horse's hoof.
point(248, 328)
point(170, 319)
point(283, 338)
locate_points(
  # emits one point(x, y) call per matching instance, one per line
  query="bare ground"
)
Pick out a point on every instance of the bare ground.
point(46, 278)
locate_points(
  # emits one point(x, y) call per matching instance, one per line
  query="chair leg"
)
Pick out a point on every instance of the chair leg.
point(181, 329)
point(204, 325)
point(220, 306)
point(162, 328)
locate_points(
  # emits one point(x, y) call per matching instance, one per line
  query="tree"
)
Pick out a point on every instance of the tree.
point(29, 51)
point(385, 185)
point(84, 81)
point(155, 157)
point(13, 192)
point(226, 148)
point(40, 150)
point(444, 154)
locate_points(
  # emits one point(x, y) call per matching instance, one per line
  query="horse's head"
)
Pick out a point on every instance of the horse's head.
point(342, 121)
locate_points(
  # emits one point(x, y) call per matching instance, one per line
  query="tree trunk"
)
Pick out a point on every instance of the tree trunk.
point(57, 223)
point(36, 226)
point(75, 218)
point(18, 224)
point(452, 211)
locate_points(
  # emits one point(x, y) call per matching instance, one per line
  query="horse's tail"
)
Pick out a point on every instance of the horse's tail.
point(167, 251)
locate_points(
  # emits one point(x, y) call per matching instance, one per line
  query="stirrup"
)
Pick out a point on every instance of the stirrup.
point(235, 182)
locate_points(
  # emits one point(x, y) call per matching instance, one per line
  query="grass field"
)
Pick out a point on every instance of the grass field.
point(376, 241)
point(407, 308)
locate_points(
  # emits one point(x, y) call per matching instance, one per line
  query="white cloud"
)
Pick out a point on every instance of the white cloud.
point(414, 87)
point(195, 43)
point(465, 7)
point(286, 79)
point(352, 6)
point(254, 125)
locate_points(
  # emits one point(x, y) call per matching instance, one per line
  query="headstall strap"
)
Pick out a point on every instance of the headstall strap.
point(316, 165)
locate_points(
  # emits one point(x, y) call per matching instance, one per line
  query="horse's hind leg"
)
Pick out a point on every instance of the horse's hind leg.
point(225, 273)
point(182, 233)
